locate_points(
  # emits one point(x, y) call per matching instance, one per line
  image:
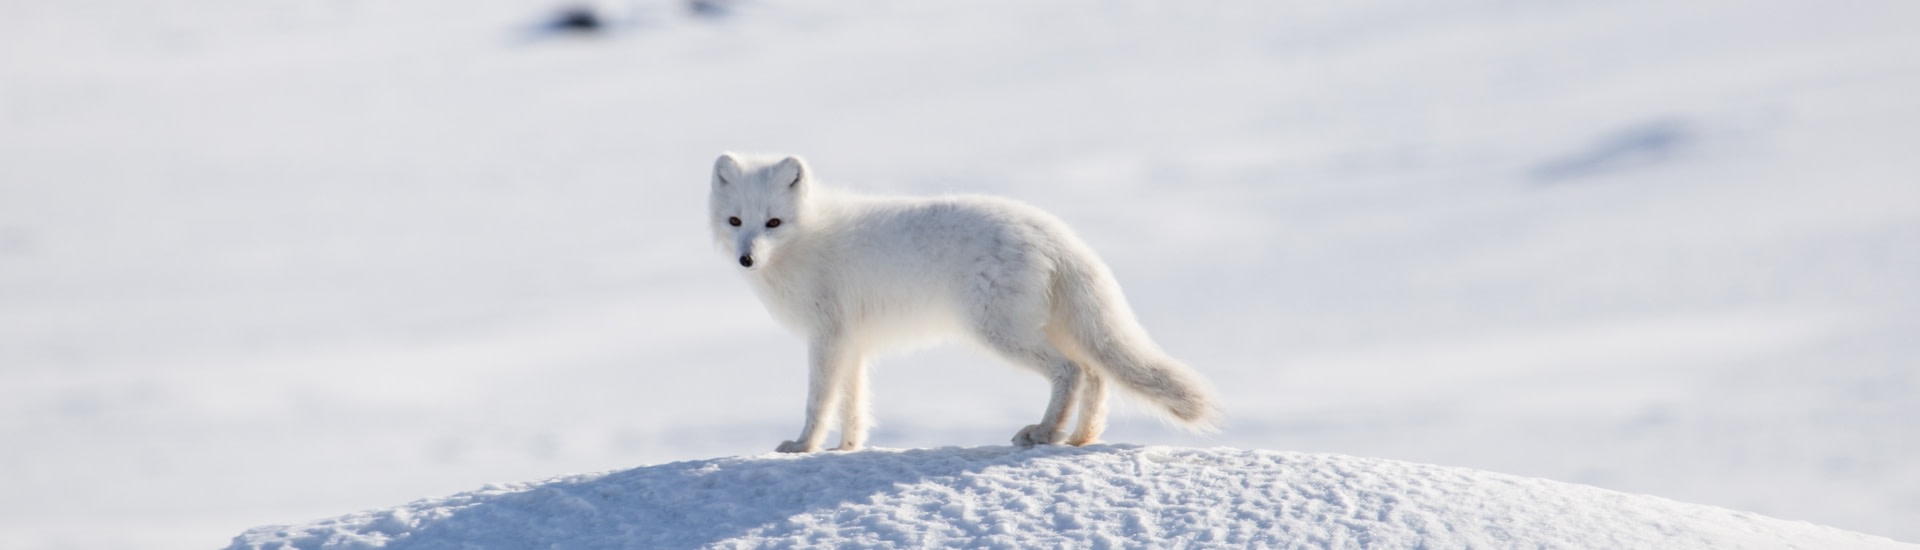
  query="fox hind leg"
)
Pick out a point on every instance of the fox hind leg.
point(1010, 312)
point(1066, 377)
point(1093, 408)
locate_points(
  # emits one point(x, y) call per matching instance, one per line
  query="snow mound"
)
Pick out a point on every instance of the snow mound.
point(1097, 496)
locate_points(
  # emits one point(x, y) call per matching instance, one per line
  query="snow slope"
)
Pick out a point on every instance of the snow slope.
point(1101, 496)
point(274, 259)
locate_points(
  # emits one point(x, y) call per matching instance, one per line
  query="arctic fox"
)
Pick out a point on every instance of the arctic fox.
point(857, 275)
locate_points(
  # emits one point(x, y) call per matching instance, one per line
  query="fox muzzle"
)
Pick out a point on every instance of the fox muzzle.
point(747, 247)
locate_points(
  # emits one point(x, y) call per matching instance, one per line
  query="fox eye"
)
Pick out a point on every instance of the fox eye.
point(733, 222)
point(773, 223)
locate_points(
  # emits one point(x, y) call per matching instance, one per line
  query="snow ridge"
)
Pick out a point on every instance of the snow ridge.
point(1096, 496)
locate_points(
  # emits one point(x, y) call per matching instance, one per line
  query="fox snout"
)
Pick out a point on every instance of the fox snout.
point(752, 251)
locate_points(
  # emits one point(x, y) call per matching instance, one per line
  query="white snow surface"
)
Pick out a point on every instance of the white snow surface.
point(264, 260)
point(1101, 496)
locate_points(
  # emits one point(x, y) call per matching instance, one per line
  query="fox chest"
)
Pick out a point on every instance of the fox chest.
point(863, 302)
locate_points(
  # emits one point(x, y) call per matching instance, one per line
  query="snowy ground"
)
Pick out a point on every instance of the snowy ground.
point(1094, 497)
point(276, 260)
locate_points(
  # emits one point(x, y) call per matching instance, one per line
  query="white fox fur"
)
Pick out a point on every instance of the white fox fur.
point(857, 275)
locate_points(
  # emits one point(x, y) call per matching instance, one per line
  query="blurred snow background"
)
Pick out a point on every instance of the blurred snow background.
point(266, 261)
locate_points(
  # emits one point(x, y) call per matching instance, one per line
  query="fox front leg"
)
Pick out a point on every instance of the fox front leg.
point(855, 415)
point(826, 382)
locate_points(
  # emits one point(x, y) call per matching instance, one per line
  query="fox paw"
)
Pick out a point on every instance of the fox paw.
point(1036, 435)
point(792, 447)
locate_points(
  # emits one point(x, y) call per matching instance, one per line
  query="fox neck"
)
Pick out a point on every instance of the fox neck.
point(787, 290)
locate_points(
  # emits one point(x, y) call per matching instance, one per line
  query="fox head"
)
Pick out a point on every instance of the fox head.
point(756, 205)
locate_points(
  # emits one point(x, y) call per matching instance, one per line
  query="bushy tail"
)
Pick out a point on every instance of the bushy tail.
point(1094, 314)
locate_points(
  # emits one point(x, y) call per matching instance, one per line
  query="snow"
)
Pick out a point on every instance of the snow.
point(280, 259)
point(1101, 496)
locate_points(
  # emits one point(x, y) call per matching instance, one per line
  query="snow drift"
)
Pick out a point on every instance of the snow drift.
point(1098, 496)
point(266, 261)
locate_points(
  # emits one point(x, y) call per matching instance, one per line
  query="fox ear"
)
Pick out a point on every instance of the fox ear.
point(726, 169)
point(792, 170)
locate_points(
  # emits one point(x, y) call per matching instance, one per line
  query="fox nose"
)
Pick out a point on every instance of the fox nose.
point(746, 261)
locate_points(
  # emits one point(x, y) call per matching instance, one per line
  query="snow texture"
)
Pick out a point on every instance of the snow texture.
point(1103, 496)
point(267, 260)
